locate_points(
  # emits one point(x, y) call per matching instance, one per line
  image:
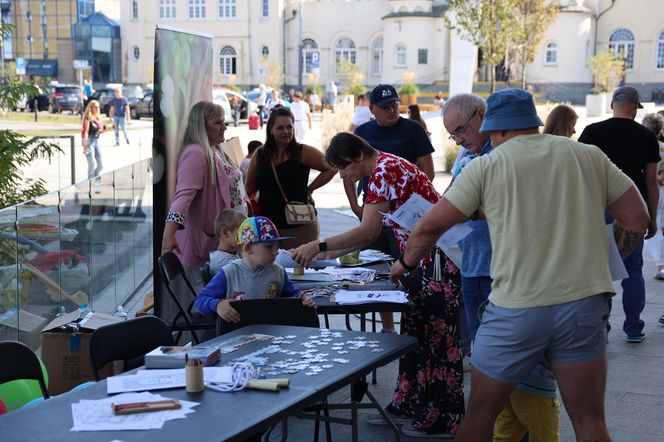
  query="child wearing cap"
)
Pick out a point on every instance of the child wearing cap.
point(254, 276)
point(226, 226)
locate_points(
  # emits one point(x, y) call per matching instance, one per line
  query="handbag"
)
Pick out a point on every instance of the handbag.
point(296, 212)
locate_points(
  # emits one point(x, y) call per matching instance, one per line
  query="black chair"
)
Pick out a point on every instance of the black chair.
point(173, 275)
point(19, 362)
point(128, 341)
point(283, 311)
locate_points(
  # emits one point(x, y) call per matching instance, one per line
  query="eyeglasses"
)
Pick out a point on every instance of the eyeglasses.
point(462, 129)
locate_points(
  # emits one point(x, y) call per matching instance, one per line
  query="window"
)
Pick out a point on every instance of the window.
point(227, 61)
point(85, 8)
point(266, 8)
point(308, 47)
point(400, 56)
point(422, 56)
point(136, 53)
point(166, 8)
point(226, 8)
point(196, 8)
point(621, 44)
point(551, 53)
point(265, 52)
point(134, 9)
point(377, 56)
point(345, 50)
point(660, 51)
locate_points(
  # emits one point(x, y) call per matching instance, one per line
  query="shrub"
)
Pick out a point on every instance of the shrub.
point(409, 89)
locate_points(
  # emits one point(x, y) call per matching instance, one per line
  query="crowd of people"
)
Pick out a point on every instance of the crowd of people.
point(529, 303)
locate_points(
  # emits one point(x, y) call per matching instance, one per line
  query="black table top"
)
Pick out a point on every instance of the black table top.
point(223, 416)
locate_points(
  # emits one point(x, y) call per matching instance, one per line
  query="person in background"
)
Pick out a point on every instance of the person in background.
point(635, 150)
point(226, 226)
point(331, 94)
point(120, 115)
point(314, 101)
point(439, 101)
point(254, 276)
point(88, 91)
point(428, 398)
point(292, 162)
point(273, 101)
point(561, 121)
point(655, 122)
point(251, 148)
point(91, 128)
point(207, 182)
point(362, 112)
point(301, 112)
point(260, 101)
point(414, 114)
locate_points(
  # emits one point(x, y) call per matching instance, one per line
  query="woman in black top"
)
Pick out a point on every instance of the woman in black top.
point(292, 162)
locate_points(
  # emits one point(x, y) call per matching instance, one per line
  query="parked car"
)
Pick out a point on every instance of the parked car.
point(107, 93)
point(42, 101)
point(142, 107)
point(64, 97)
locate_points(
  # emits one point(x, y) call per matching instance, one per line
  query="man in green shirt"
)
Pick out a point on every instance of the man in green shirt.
point(544, 198)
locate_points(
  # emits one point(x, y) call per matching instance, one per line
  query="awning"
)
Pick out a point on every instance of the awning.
point(44, 68)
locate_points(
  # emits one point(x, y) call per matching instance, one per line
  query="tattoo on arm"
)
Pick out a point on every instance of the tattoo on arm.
point(627, 240)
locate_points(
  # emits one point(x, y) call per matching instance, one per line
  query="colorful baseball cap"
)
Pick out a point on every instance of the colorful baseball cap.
point(258, 229)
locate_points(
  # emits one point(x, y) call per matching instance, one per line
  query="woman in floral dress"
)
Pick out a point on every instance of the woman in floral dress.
point(428, 398)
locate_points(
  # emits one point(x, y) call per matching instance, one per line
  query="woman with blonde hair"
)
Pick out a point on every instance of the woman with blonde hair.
point(561, 121)
point(92, 126)
point(207, 182)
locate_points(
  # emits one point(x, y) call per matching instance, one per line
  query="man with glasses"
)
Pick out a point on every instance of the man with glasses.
point(391, 133)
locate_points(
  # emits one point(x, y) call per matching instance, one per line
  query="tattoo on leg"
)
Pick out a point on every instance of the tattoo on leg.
point(627, 240)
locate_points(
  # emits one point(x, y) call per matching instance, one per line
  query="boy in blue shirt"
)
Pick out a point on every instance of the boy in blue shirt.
point(254, 276)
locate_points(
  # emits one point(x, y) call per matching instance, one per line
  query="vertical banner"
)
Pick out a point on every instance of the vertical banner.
point(183, 77)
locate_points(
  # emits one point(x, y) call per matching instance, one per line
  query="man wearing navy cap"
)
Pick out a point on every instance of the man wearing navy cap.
point(391, 133)
point(544, 198)
point(635, 150)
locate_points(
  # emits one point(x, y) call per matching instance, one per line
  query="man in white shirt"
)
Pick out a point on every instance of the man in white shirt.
point(300, 110)
point(362, 113)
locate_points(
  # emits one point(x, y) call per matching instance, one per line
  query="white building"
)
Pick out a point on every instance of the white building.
point(387, 38)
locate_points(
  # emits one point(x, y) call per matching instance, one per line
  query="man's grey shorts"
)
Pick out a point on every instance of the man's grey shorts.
point(511, 340)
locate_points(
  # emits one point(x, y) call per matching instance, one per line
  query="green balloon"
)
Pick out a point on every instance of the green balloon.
point(17, 393)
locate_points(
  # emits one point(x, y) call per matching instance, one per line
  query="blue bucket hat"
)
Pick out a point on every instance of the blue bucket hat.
point(258, 229)
point(510, 109)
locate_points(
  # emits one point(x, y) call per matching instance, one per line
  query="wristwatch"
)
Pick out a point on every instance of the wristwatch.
point(405, 266)
point(322, 246)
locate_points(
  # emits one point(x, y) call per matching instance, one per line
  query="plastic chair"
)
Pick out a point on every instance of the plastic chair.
point(127, 341)
point(283, 311)
point(173, 274)
point(19, 362)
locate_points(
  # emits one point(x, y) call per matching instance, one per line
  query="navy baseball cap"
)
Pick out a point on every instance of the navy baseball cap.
point(510, 109)
point(383, 94)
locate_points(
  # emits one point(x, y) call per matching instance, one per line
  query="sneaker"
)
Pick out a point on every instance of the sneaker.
point(377, 419)
point(636, 339)
point(127, 140)
point(411, 431)
point(659, 275)
point(117, 144)
point(661, 320)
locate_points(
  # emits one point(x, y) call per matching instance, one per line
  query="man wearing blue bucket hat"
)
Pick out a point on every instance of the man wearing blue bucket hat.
point(254, 276)
point(544, 198)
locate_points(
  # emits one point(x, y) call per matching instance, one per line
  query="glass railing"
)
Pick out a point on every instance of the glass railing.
point(88, 243)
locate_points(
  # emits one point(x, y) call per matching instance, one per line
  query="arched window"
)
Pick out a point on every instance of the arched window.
point(226, 8)
point(196, 8)
point(377, 56)
point(344, 50)
point(400, 56)
point(660, 51)
point(309, 46)
point(551, 53)
point(621, 44)
point(227, 61)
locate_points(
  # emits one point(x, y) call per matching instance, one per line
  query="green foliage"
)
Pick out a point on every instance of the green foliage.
point(350, 76)
point(356, 89)
point(607, 71)
point(409, 89)
point(310, 89)
point(451, 152)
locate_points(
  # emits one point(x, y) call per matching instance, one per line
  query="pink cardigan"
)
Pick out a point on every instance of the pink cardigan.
point(199, 201)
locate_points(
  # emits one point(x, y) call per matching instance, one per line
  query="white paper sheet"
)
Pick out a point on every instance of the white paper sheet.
point(616, 265)
point(284, 259)
point(146, 380)
point(351, 273)
point(368, 296)
point(655, 246)
point(97, 415)
point(410, 213)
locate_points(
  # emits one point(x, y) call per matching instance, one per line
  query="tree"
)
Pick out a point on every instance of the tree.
point(17, 152)
point(481, 22)
point(350, 78)
point(607, 71)
point(526, 25)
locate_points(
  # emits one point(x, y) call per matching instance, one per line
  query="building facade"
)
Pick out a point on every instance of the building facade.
point(288, 41)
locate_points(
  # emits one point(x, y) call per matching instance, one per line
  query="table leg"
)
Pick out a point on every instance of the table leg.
point(327, 321)
point(348, 327)
point(381, 410)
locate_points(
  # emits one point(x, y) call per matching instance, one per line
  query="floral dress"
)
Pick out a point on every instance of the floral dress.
point(239, 199)
point(430, 381)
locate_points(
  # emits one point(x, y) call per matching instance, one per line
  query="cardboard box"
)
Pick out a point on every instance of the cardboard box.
point(65, 351)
